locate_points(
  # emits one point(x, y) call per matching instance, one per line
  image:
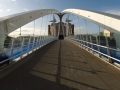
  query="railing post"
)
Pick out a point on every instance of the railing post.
point(40, 41)
point(83, 42)
point(80, 40)
point(73, 39)
point(37, 43)
point(33, 43)
point(22, 45)
point(28, 45)
point(87, 41)
point(43, 40)
point(108, 50)
point(47, 39)
point(91, 44)
point(12, 48)
point(98, 46)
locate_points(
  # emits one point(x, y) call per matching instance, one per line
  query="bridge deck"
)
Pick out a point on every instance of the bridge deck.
point(60, 65)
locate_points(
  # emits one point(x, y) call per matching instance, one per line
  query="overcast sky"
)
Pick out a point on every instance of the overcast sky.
point(8, 7)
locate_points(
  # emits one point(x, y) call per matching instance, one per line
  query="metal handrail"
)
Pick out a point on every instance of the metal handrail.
point(75, 40)
point(102, 46)
point(38, 43)
point(98, 45)
point(103, 53)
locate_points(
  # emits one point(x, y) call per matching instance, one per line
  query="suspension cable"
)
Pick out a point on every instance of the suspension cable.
point(50, 19)
point(41, 25)
point(99, 35)
point(34, 28)
point(79, 24)
point(68, 26)
point(73, 20)
point(73, 16)
point(46, 25)
point(86, 26)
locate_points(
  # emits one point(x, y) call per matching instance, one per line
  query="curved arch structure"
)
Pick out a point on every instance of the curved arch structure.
point(107, 21)
point(13, 22)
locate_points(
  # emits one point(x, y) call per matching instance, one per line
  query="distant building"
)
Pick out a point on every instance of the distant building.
point(56, 29)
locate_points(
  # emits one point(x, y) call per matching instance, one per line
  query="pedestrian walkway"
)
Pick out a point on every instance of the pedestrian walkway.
point(60, 65)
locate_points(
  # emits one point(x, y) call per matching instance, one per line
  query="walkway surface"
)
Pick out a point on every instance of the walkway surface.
point(60, 65)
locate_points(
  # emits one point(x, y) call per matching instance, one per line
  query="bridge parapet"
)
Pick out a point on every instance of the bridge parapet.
point(17, 48)
point(100, 48)
point(107, 21)
point(10, 23)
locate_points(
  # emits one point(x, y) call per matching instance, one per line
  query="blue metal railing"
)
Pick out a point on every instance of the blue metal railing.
point(113, 55)
point(14, 51)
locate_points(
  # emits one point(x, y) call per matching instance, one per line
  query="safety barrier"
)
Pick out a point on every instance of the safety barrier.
point(110, 54)
point(20, 47)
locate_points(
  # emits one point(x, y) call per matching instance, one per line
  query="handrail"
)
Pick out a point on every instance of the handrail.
point(81, 43)
point(36, 45)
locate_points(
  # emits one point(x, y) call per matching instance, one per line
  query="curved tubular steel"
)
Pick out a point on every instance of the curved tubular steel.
point(107, 21)
point(10, 23)
point(13, 22)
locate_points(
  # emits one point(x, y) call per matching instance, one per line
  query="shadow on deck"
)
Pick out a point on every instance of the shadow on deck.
point(60, 65)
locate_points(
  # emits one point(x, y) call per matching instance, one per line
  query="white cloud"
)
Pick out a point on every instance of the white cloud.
point(8, 10)
point(26, 9)
point(28, 31)
point(1, 10)
point(14, 0)
point(113, 11)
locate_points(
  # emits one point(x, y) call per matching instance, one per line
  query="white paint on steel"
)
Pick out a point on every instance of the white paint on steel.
point(10, 23)
point(13, 22)
point(106, 21)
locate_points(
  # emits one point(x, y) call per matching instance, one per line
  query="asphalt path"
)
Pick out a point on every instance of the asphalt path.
point(60, 65)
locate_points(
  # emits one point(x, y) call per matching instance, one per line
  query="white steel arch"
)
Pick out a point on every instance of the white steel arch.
point(107, 21)
point(13, 22)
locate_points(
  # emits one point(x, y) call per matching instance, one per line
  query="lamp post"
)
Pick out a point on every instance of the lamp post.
point(54, 25)
point(67, 25)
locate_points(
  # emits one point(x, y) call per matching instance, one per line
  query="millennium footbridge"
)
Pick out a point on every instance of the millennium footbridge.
point(62, 59)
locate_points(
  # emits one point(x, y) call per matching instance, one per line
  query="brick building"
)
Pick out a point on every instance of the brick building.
point(55, 29)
